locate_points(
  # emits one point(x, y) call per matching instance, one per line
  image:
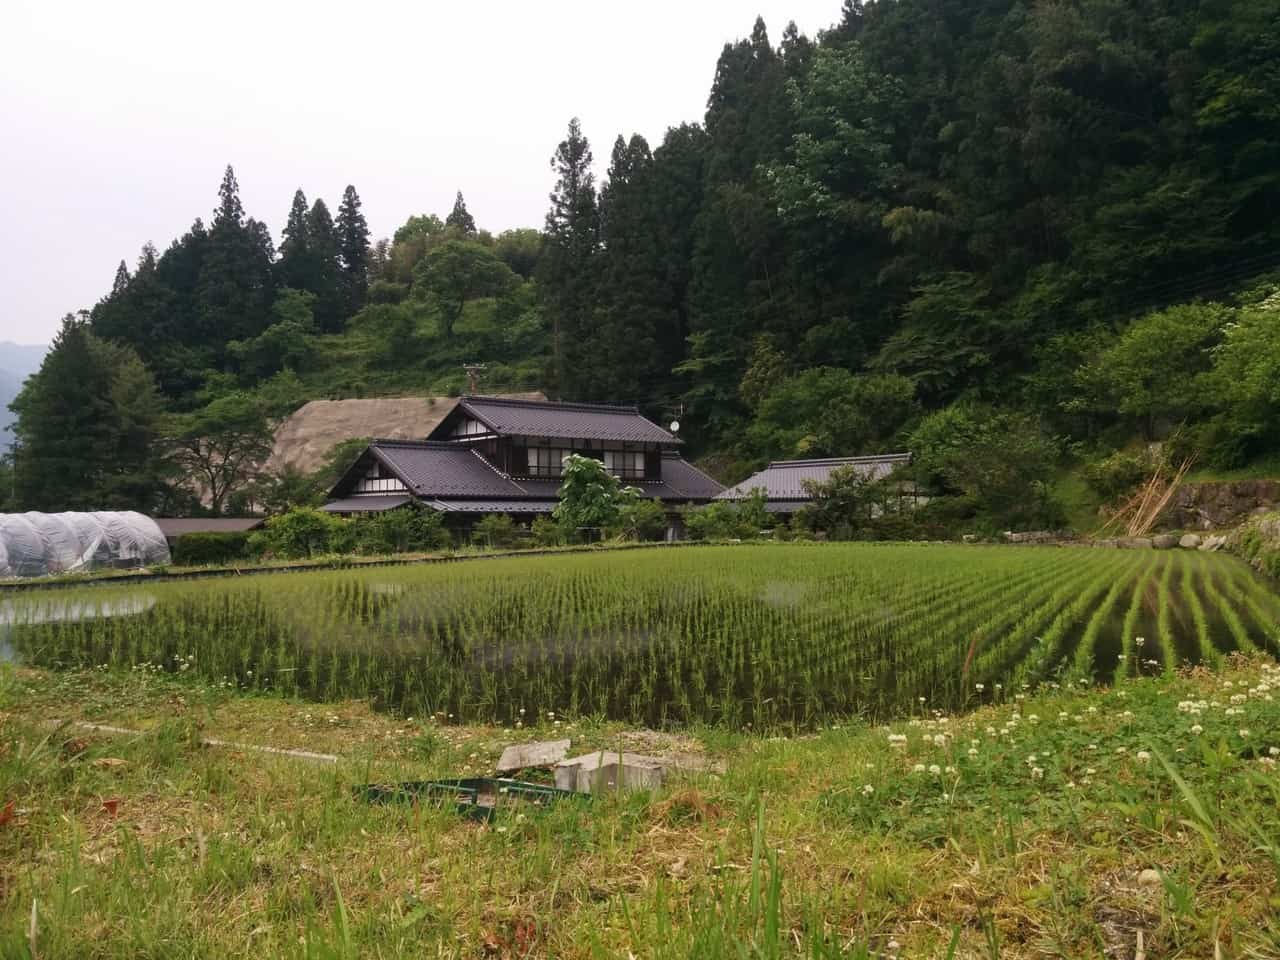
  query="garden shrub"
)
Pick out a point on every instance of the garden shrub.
point(207, 547)
point(496, 530)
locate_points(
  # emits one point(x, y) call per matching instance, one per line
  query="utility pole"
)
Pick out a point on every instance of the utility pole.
point(473, 377)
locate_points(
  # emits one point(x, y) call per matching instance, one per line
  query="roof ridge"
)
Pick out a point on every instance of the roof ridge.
point(867, 458)
point(392, 441)
point(562, 404)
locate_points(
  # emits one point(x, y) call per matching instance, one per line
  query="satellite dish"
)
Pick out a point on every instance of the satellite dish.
point(675, 426)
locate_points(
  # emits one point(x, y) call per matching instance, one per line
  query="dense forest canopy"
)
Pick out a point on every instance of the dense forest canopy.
point(936, 213)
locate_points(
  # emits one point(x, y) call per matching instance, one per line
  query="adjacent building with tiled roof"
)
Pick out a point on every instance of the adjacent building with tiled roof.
point(784, 481)
point(504, 455)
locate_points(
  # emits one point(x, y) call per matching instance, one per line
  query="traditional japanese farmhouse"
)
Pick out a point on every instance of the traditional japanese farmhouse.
point(784, 481)
point(503, 455)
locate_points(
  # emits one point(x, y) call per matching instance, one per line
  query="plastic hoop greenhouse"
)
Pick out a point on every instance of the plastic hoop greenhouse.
point(39, 544)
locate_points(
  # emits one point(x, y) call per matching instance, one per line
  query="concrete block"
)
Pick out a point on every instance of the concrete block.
point(521, 756)
point(609, 770)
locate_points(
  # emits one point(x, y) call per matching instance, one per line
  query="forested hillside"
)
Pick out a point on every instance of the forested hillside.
point(1006, 235)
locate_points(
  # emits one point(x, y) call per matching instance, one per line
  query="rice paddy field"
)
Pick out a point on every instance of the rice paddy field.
point(767, 637)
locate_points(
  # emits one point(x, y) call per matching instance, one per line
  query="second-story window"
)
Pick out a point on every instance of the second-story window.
point(627, 464)
point(546, 461)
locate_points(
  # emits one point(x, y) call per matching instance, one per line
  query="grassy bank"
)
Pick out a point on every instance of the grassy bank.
point(1062, 824)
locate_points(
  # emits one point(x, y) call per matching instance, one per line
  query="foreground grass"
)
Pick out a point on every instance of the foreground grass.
point(1061, 823)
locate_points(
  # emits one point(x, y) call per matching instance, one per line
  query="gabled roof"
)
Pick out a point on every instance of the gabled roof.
point(565, 421)
point(449, 472)
point(784, 479)
point(432, 469)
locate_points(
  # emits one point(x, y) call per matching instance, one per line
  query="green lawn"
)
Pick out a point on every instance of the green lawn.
point(1062, 824)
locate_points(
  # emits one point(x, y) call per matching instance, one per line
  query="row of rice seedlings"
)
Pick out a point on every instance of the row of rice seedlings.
point(788, 636)
point(1085, 660)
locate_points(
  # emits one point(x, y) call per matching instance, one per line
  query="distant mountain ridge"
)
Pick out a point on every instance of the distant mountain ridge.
point(17, 362)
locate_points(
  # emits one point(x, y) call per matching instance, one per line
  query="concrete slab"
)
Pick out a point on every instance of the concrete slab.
point(609, 770)
point(542, 753)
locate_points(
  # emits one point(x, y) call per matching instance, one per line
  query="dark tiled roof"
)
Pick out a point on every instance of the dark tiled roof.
point(178, 526)
point(784, 479)
point(493, 506)
point(367, 504)
point(434, 469)
point(568, 421)
point(685, 481)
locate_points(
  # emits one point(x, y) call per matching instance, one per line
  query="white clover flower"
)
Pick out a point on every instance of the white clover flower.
point(1197, 729)
point(951, 769)
point(1143, 755)
point(1274, 751)
point(973, 751)
point(935, 769)
point(1037, 773)
point(1244, 734)
point(980, 687)
point(918, 768)
point(1139, 640)
point(868, 789)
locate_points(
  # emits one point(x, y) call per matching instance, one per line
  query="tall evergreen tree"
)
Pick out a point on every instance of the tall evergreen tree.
point(324, 253)
point(235, 287)
point(88, 422)
point(296, 268)
point(353, 251)
point(569, 258)
point(121, 282)
point(460, 218)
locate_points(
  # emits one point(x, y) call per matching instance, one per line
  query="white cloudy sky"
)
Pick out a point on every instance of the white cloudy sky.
point(118, 118)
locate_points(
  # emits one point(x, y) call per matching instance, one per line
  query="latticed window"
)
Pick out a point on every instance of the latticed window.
point(546, 461)
point(627, 464)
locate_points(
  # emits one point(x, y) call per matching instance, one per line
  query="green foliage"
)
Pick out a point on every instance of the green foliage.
point(89, 423)
point(409, 529)
point(1153, 368)
point(289, 343)
point(591, 498)
point(995, 466)
point(303, 532)
point(830, 412)
point(744, 519)
point(640, 519)
point(1245, 384)
point(455, 272)
point(546, 532)
point(496, 530)
point(850, 506)
point(1118, 474)
point(222, 446)
point(211, 548)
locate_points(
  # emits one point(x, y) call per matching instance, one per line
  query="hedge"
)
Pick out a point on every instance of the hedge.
point(202, 549)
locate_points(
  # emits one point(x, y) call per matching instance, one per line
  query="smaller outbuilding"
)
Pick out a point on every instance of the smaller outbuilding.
point(784, 481)
point(175, 527)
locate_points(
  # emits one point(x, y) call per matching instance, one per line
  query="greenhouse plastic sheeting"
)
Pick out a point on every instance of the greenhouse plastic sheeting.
point(36, 544)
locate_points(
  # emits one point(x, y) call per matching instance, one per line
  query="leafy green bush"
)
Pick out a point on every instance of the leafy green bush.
point(729, 519)
point(411, 528)
point(204, 548)
point(304, 532)
point(995, 465)
point(640, 520)
point(496, 530)
point(546, 532)
point(1116, 475)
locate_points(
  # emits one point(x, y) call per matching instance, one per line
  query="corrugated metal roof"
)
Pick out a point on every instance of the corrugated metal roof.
point(784, 479)
point(178, 526)
point(568, 421)
point(369, 504)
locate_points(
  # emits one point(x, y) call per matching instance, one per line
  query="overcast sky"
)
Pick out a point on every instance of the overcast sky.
point(118, 118)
